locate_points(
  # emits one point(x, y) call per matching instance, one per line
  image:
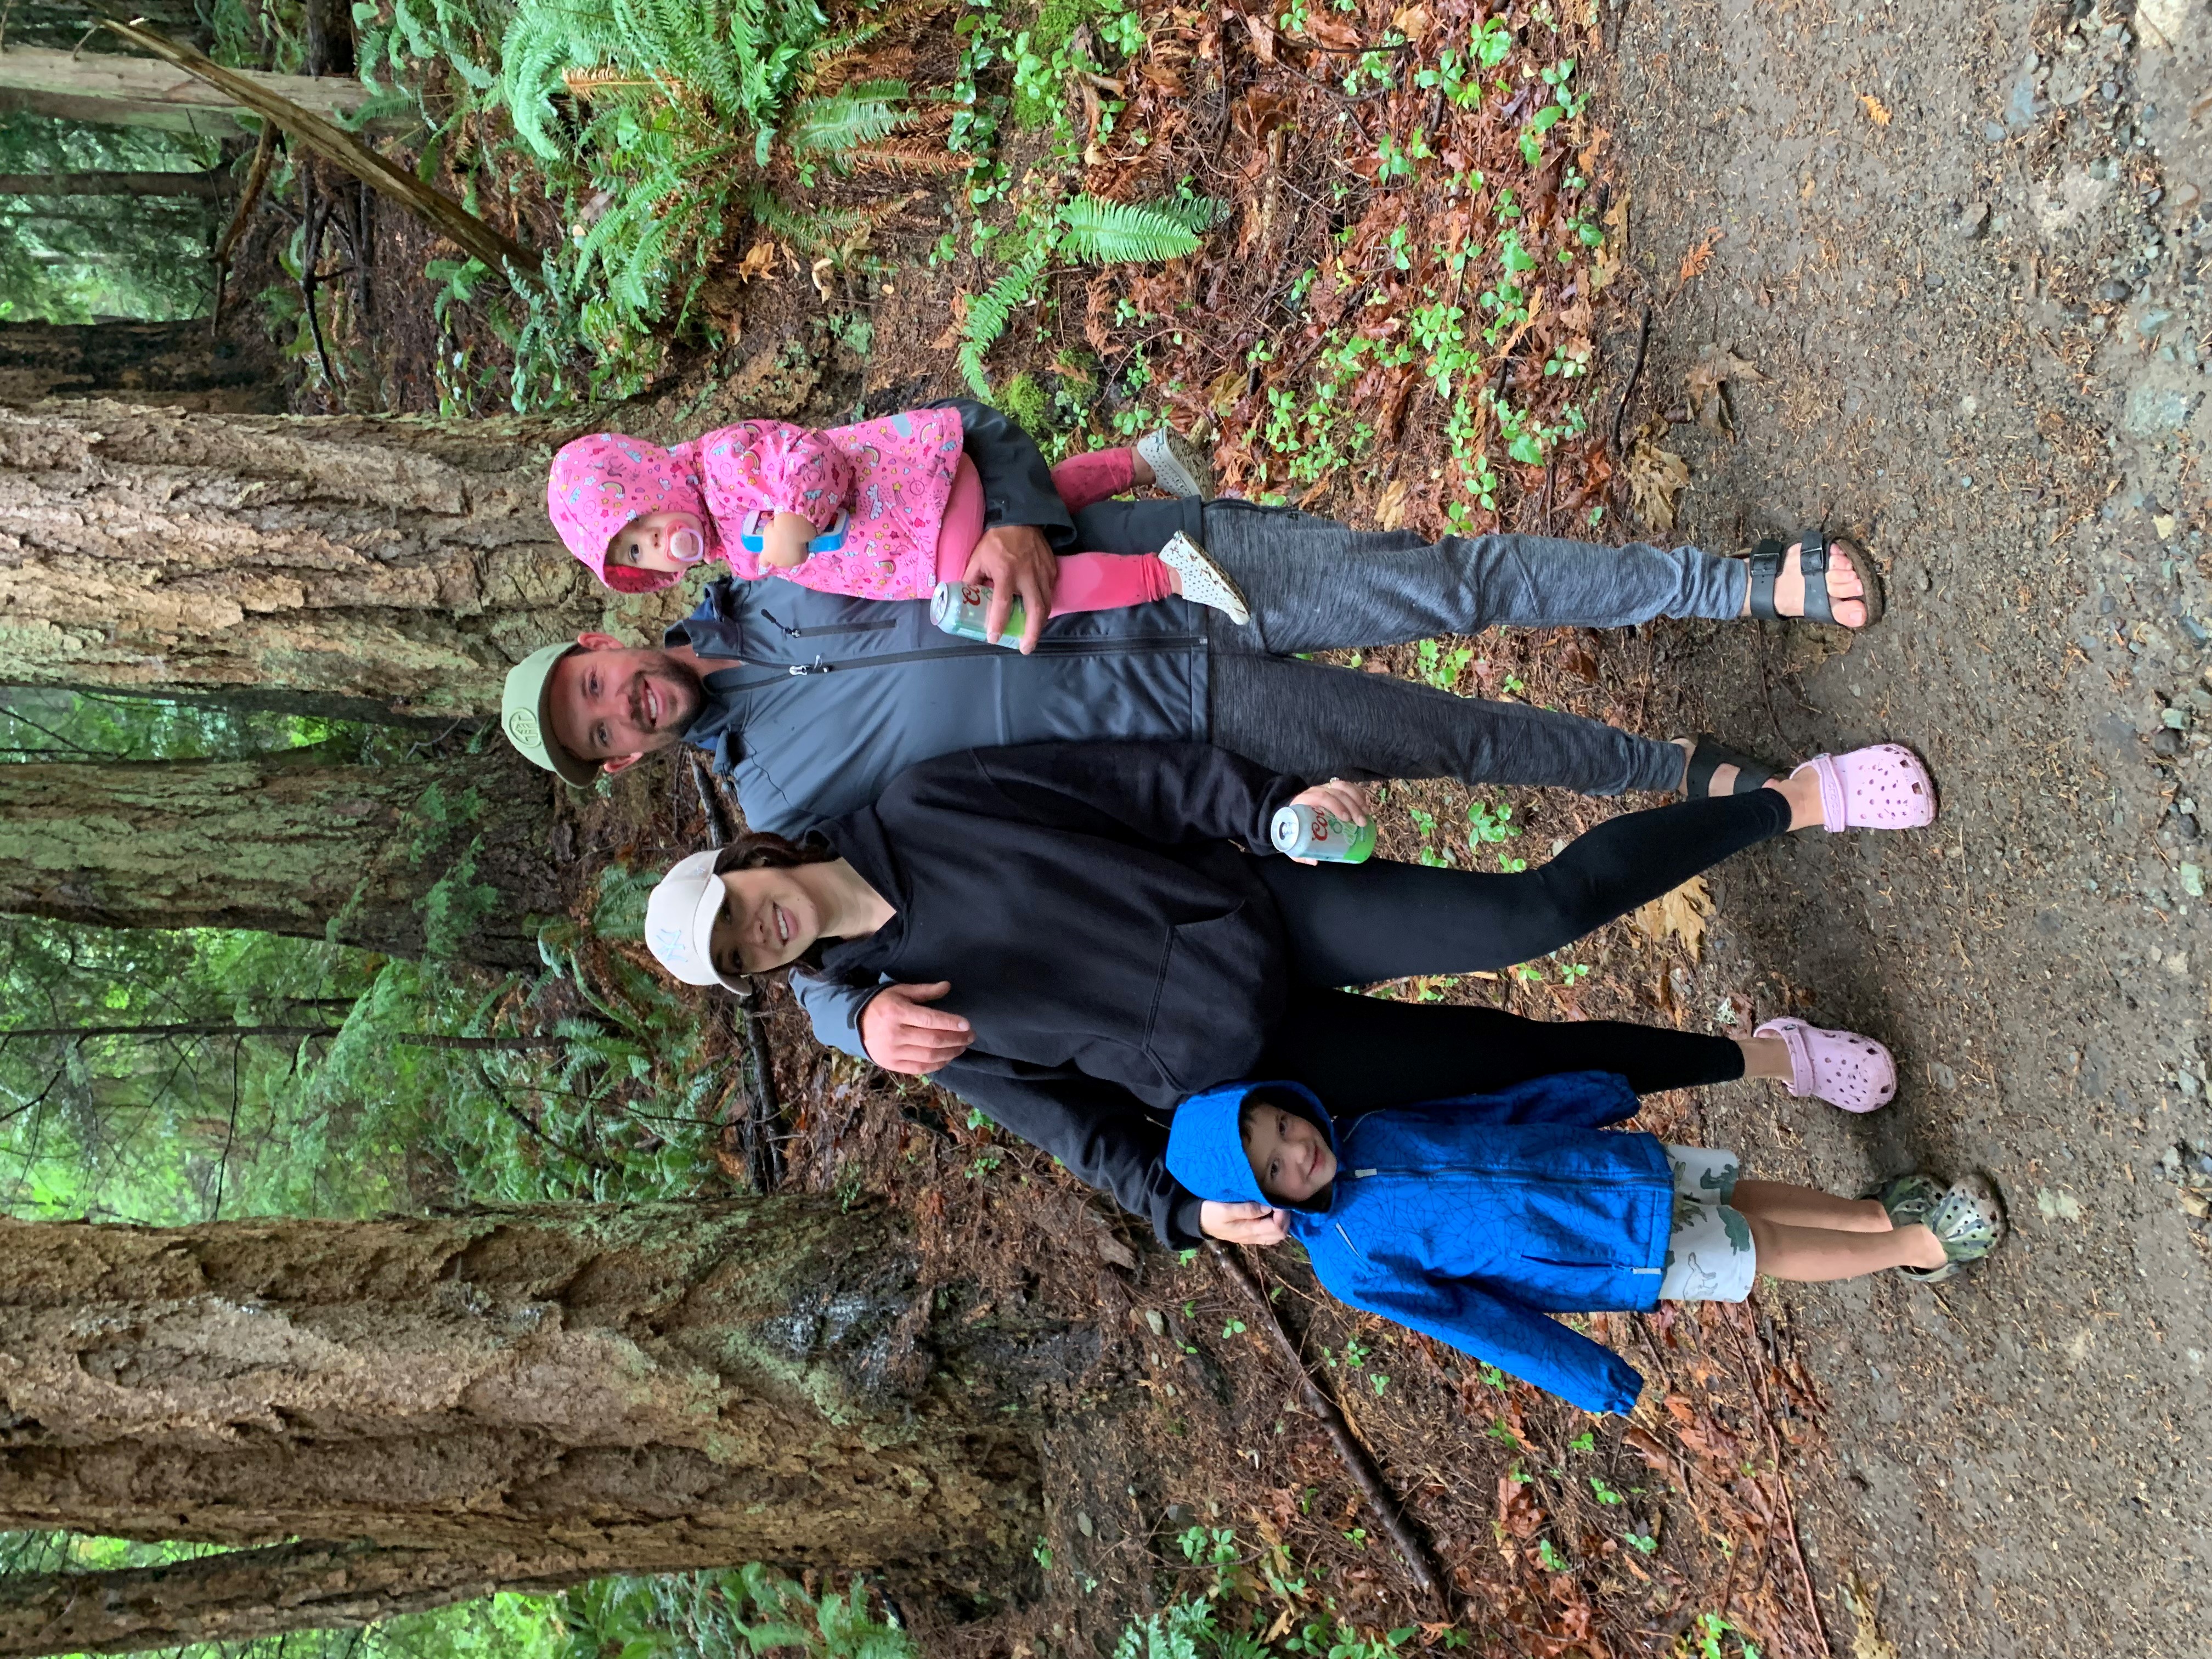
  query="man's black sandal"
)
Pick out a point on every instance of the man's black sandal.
point(1708, 755)
point(1813, 561)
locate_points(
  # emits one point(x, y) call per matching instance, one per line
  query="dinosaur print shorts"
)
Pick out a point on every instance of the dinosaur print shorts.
point(1709, 1257)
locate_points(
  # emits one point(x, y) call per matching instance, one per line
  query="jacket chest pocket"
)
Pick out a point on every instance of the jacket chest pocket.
point(1203, 1028)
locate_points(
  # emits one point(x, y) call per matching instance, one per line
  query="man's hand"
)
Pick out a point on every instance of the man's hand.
point(1345, 800)
point(1242, 1224)
point(1015, 559)
point(900, 1035)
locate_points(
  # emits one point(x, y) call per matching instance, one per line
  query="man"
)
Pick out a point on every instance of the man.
point(813, 702)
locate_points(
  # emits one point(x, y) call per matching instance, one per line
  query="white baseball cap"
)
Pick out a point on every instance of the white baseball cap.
point(679, 921)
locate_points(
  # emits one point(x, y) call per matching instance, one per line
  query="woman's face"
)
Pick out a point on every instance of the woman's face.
point(768, 920)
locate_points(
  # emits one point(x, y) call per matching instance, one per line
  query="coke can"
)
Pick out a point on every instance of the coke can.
point(1309, 832)
point(962, 608)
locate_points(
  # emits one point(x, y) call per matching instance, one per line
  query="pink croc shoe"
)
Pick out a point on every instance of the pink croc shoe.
point(1883, 786)
point(1851, 1071)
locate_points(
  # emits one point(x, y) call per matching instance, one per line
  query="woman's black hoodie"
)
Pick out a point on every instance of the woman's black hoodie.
point(1102, 935)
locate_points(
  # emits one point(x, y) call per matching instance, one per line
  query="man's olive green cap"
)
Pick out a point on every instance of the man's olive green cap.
point(527, 720)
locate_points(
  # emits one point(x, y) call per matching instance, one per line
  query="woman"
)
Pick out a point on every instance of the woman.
point(1114, 952)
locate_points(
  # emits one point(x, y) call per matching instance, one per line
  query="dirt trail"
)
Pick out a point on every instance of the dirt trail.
point(1978, 302)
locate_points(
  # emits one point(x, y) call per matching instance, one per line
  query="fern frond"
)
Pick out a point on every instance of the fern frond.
point(1195, 214)
point(908, 156)
point(862, 114)
point(988, 312)
point(587, 84)
point(815, 230)
point(1112, 233)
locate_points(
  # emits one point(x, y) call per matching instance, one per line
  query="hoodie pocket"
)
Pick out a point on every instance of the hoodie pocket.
point(1205, 1027)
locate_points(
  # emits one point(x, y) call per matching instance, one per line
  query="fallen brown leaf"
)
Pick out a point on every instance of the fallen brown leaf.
point(1705, 383)
point(1875, 112)
point(759, 261)
point(951, 337)
point(1657, 479)
point(1699, 257)
point(1867, 1641)
point(1412, 21)
point(1263, 37)
point(1680, 913)
point(1390, 508)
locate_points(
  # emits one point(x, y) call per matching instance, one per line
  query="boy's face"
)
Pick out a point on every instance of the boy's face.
point(1290, 1157)
point(669, 543)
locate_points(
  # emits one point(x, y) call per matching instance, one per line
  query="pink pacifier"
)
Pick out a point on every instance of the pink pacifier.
point(687, 546)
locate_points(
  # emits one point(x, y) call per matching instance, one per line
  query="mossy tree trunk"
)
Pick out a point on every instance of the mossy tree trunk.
point(234, 1595)
point(578, 1390)
point(444, 857)
point(339, 565)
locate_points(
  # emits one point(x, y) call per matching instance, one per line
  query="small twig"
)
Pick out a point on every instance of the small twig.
point(257, 174)
point(1635, 374)
point(1349, 52)
point(1781, 1478)
point(1421, 1561)
point(313, 244)
point(762, 1152)
point(717, 836)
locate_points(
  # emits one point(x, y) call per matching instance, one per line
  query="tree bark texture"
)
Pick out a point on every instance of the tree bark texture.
point(282, 844)
point(587, 1389)
point(176, 365)
point(239, 1595)
point(209, 184)
point(341, 565)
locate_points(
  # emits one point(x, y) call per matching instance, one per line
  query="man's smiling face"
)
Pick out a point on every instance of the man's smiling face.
point(615, 704)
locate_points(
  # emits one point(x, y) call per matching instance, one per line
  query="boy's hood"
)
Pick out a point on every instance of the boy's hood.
point(1206, 1147)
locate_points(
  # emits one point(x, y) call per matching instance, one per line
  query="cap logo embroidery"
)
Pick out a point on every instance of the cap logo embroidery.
point(522, 727)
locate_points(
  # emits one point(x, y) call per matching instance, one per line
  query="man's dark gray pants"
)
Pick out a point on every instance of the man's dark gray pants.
point(1316, 584)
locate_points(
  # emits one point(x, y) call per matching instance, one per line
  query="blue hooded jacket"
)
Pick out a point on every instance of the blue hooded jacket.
point(1469, 1229)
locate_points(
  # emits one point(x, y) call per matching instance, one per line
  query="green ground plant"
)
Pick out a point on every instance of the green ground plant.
point(655, 128)
point(1089, 231)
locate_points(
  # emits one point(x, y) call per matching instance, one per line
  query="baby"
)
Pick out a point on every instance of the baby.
point(887, 509)
point(1470, 1220)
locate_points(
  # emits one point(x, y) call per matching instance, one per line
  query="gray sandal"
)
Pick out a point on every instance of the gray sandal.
point(1968, 1220)
point(1707, 756)
point(1813, 550)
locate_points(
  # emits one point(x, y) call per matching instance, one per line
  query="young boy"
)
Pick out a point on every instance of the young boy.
point(1469, 1225)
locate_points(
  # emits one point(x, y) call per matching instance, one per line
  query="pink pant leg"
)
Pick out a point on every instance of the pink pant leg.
point(1085, 480)
point(1087, 581)
point(1107, 581)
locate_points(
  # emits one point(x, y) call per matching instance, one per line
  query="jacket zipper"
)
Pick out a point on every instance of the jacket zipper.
point(1104, 649)
point(841, 628)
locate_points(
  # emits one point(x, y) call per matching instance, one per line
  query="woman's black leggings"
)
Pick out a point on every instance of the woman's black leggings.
point(1354, 925)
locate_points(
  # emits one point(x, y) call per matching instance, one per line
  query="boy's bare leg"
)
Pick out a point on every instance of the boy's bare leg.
point(1807, 1207)
point(1810, 1255)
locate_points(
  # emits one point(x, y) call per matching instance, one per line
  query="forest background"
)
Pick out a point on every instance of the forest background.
point(290, 933)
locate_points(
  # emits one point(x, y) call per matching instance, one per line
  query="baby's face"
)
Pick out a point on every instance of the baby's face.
point(1291, 1158)
point(669, 543)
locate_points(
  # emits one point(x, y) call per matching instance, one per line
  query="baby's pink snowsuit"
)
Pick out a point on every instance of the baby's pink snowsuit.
point(915, 499)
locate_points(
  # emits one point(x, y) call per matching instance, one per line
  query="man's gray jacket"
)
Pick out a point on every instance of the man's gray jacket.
point(833, 697)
